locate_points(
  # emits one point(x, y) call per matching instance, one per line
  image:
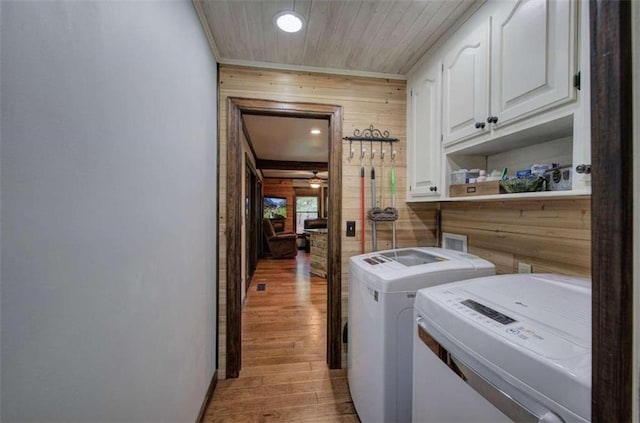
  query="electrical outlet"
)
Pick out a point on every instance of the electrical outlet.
point(524, 268)
point(351, 228)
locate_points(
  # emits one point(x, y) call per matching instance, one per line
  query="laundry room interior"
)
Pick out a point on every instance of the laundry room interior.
point(514, 192)
point(327, 211)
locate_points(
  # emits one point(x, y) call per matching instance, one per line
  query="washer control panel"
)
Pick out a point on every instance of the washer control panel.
point(488, 312)
point(508, 325)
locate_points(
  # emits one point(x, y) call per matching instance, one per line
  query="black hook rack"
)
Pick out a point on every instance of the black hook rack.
point(370, 135)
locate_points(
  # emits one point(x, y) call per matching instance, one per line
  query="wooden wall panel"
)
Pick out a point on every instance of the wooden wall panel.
point(365, 101)
point(282, 188)
point(551, 235)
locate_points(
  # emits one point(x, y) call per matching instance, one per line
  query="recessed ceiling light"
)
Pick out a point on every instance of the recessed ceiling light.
point(289, 21)
point(315, 131)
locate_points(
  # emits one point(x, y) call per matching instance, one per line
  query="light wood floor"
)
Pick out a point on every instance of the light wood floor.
point(284, 376)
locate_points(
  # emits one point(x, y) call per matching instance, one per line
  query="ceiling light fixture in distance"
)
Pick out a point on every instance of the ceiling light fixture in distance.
point(289, 21)
point(315, 131)
point(315, 182)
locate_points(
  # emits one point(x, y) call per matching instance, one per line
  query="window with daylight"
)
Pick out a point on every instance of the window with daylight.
point(306, 208)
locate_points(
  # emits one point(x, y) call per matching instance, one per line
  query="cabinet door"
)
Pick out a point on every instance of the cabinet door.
point(465, 81)
point(424, 132)
point(532, 57)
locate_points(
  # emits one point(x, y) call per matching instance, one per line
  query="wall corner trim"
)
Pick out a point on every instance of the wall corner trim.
point(207, 397)
point(197, 5)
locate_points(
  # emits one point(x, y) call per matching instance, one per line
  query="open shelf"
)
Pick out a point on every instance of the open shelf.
point(549, 142)
point(572, 194)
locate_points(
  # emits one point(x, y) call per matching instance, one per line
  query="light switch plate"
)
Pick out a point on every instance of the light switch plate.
point(351, 228)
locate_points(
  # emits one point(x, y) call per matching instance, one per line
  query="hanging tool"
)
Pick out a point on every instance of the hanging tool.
point(381, 177)
point(377, 212)
point(362, 221)
point(374, 238)
point(393, 197)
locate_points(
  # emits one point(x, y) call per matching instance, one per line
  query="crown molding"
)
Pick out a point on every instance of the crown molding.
point(197, 5)
point(298, 68)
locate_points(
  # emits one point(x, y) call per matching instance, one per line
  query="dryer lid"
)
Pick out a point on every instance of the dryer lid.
point(531, 329)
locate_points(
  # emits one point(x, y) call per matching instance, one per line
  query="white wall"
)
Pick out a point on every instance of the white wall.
point(108, 186)
point(635, 7)
point(0, 218)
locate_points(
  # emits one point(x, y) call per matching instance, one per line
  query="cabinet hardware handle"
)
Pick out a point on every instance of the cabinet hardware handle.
point(480, 125)
point(433, 188)
point(583, 168)
point(492, 119)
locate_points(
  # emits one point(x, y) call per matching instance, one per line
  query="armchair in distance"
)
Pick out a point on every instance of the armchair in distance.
point(281, 245)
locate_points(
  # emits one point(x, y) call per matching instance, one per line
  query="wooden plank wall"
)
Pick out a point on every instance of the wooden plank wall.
point(552, 235)
point(282, 188)
point(365, 101)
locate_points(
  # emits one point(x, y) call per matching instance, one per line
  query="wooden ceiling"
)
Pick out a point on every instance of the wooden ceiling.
point(378, 36)
point(284, 147)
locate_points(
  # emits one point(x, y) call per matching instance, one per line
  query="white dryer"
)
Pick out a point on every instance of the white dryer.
point(503, 348)
point(382, 287)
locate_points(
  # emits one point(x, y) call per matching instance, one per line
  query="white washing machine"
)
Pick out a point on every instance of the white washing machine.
point(382, 287)
point(502, 349)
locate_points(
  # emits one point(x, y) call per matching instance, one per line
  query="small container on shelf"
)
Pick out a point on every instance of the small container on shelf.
point(559, 178)
point(495, 175)
point(459, 177)
point(524, 184)
point(463, 176)
point(540, 169)
point(473, 173)
point(476, 188)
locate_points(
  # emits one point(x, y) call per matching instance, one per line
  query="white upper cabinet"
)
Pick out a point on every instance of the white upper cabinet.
point(515, 61)
point(465, 85)
point(532, 57)
point(424, 134)
point(498, 92)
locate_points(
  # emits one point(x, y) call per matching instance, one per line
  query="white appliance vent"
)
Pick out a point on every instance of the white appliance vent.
point(454, 242)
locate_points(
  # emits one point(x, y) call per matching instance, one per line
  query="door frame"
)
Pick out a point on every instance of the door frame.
point(252, 220)
point(236, 107)
point(612, 394)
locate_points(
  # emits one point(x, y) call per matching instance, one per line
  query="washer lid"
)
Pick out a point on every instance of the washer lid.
point(412, 257)
point(531, 330)
point(409, 269)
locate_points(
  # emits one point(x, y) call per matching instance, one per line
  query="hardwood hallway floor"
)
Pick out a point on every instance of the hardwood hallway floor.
point(284, 376)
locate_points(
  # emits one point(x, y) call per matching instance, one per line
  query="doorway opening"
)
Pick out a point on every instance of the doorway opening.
point(237, 108)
